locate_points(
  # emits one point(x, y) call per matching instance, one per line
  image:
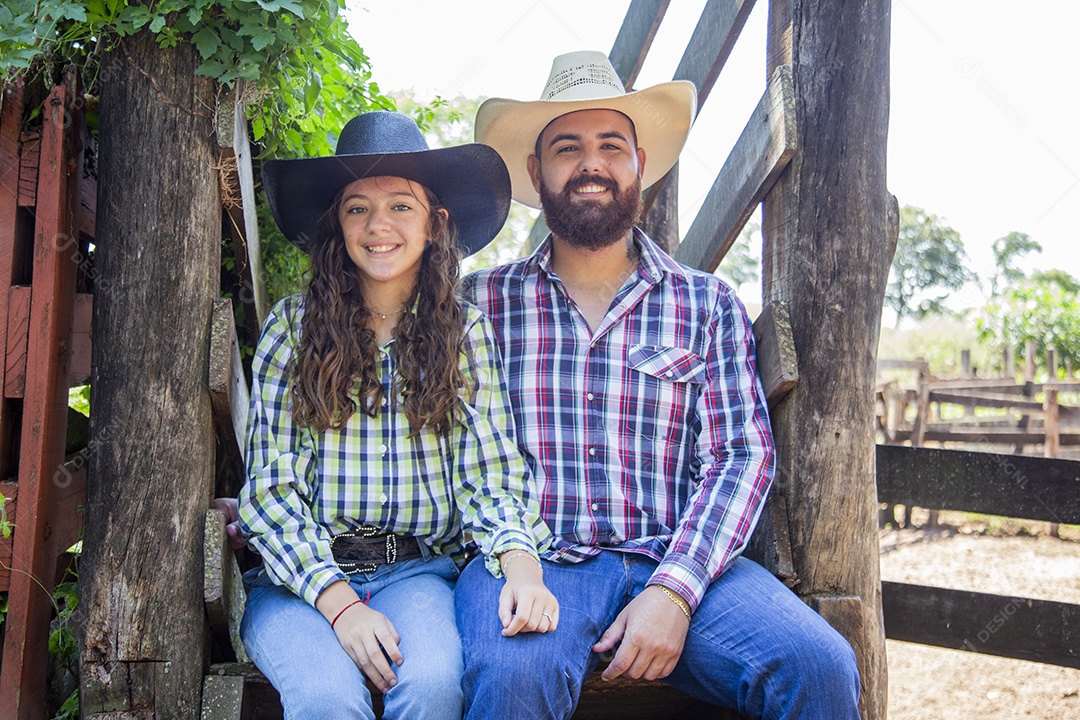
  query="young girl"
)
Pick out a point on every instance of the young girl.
point(379, 428)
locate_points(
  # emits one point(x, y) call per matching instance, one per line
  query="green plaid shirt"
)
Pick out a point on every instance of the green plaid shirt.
point(304, 487)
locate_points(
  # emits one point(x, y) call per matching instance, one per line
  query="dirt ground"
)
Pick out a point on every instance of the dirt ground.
point(1013, 559)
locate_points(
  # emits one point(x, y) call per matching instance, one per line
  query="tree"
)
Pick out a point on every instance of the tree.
point(1043, 308)
point(739, 265)
point(1007, 250)
point(929, 256)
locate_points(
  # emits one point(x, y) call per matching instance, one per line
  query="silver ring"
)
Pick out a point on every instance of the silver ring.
point(548, 617)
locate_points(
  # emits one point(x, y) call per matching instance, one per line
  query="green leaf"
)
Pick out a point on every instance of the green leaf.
point(157, 23)
point(311, 92)
point(207, 42)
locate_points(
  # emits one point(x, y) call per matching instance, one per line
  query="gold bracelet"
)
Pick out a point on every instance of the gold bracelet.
point(519, 553)
point(677, 599)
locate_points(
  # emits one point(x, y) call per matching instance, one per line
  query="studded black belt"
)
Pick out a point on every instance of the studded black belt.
point(364, 549)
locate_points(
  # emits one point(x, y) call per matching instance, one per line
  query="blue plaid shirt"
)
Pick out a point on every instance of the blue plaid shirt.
point(304, 487)
point(650, 435)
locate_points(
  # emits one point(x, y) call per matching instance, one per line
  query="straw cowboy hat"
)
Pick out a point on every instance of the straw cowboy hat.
point(469, 180)
point(662, 115)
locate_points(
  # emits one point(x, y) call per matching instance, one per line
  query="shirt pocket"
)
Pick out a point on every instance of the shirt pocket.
point(671, 364)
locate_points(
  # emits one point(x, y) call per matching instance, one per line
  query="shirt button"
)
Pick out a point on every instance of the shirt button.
point(383, 498)
point(385, 401)
point(592, 451)
point(668, 374)
point(383, 449)
point(590, 396)
point(595, 506)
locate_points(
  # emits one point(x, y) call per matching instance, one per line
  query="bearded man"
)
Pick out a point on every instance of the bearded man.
point(639, 408)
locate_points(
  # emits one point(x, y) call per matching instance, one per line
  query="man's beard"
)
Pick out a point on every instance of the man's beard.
point(591, 224)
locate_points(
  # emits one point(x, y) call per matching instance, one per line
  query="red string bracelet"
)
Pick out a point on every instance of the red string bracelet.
point(342, 611)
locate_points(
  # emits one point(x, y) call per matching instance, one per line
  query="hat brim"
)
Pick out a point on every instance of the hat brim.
point(662, 116)
point(470, 181)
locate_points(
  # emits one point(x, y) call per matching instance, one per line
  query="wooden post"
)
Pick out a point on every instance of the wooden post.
point(143, 640)
point(1051, 365)
point(41, 447)
point(661, 222)
point(1029, 390)
point(1009, 363)
point(1052, 428)
point(830, 230)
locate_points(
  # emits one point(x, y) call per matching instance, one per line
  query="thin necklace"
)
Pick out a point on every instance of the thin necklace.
point(386, 315)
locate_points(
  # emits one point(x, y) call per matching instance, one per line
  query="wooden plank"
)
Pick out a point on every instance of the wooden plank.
point(10, 491)
point(233, 141)
point(28, 168)
point(44, 414)
point(223, 589)
point(67, 523)
point(88, 207)
point(222, 698)
point(770, 545)
point(714, 37)
point(1020, 486)
point(990, 435)
point(1023, 628)
point(11, 111)
point(18, 331)
point(635, 37)
point(81, 345)
point(845, 614)
point(776, 358)
point(760, 154)
point(994, 400)
point(228, 386)
point(921, 365)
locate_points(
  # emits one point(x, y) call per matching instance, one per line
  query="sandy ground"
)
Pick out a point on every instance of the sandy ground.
point(927, 682)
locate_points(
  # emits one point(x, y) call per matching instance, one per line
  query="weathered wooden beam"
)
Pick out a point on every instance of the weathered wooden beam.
point(10, 491)
point(29, 157)
point(88, 208)
point(992, 400)
point(223, 587)
point(142, 644)
point(1023, 628)
point(1021, 486)
point(762, 151)
point(81, 340)
point(777, 362)
point(845, 614)
point(41, 447)
point(903, 365)
point(989, 435)
point(238, 191)
point(635, 37)
point(18, 335)
point(714, 37)
point(222, 698)
point(11, 111)
point(228, 386)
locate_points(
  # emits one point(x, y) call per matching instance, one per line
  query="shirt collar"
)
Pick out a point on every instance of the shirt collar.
point(652, 264)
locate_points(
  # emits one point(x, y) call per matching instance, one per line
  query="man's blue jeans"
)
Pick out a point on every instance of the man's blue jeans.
point(752, 645)
point(295, 647)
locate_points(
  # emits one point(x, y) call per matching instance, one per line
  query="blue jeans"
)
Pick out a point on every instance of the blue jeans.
point(295, 647)
point(752, 645)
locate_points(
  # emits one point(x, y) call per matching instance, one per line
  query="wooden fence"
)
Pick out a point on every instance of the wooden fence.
point(46, 225)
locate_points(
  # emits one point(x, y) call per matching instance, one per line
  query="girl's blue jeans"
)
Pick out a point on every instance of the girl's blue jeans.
point(295, 647)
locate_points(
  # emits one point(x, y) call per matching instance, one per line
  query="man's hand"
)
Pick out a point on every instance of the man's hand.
point(653, 630)
point(230, 509)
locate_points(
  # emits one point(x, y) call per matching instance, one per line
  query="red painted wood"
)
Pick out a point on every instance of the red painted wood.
point(28, 168)
point(18, 334)
point(10, 120)
point(80, 340)
point(10, 491)
point(44, 419)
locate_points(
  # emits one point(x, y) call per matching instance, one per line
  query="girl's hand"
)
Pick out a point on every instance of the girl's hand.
point(369, 638)
point(366, 635)
point(525, 604)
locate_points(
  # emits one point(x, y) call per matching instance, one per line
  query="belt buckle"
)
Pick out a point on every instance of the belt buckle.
point(364, 531)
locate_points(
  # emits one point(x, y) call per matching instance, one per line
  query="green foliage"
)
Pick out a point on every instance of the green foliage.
point(1042, 308)
point(1007, 250)
point(740, 265)
point(306, 75)
point(929, 256)
point(5, 525)
point(79, 399)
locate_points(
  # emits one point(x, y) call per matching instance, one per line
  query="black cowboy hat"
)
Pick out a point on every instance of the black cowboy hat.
point(471, 180)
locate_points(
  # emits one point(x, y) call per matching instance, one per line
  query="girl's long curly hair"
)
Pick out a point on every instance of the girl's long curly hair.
point(334, 366)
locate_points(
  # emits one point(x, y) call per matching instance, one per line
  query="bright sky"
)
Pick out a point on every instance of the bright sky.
point(984, 109)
